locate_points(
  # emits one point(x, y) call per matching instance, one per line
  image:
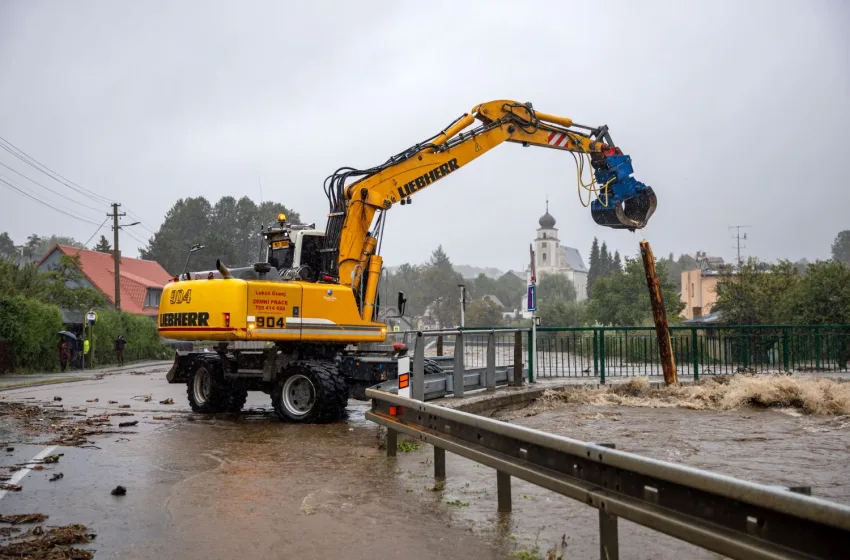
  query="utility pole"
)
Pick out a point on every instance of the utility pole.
point(116, 254)
point(462, 304)
point(738, 238)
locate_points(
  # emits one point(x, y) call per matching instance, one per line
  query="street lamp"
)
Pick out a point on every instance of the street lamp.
point(195, 247)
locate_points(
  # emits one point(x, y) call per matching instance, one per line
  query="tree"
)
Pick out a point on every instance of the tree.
point(605, 262)
point(552, 286)
point(822, 297)
point(65, 286)
point(558, 312)
point(593, 271)
point(623, 299)
point(841, 247)
point(440, 288)
point(7, 246)
point(757, 294)
point(618, 264)
point(229, 230)
point(483, 313)
point(37, 246)
point(103, 245)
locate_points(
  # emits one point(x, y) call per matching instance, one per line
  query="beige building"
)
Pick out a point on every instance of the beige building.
point(699, 286)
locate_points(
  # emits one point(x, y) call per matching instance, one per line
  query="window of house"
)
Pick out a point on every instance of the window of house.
point(544, 235)
point(692, 290)
point(544, 244)
point(152, 297)
point(544, 257)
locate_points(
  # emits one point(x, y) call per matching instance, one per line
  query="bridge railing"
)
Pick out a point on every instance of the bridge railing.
point(732, 517)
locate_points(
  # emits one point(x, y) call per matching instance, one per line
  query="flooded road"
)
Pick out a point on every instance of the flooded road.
point(246, 486)
point(251, 486)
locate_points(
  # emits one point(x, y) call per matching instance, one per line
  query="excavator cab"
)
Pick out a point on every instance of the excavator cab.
point(623, 201)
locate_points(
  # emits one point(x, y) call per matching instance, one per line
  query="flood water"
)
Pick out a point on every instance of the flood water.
point(777, 447)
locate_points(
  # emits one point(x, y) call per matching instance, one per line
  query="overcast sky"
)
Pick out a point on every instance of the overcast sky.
point(734, 112)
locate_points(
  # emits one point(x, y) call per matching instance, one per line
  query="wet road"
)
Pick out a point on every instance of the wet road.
point(228, 487)
point(251, 486)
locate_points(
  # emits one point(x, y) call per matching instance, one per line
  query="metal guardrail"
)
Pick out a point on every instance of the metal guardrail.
point(736, 518)
point(461, 378)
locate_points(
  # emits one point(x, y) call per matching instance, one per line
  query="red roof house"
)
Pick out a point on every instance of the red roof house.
point(141, 280)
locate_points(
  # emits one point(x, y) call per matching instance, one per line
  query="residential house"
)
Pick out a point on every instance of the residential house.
point(699, 286)
point(142, 281)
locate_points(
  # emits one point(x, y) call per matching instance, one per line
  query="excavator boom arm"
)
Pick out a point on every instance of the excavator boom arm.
point(350, 255)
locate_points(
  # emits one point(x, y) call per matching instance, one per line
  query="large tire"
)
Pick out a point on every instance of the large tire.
point(310, 392)
point(237, 394)
point(206, 392)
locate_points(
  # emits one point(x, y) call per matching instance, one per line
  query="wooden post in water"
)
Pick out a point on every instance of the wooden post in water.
point(659, 314)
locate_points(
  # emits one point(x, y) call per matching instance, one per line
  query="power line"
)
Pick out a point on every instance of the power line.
point(47, 188)
point(143, 223)
point(31, 161)
point(26, 158)
point(85, 245)
point(46, 204)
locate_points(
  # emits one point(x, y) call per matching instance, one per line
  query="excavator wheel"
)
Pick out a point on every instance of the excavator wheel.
point(310, 392)
point(237, 394)
point(205, 389)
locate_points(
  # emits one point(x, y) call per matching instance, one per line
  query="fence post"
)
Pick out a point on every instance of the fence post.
point(490, 382)
point(392, 442)
point(694, 346)
point(530, 357)
point(602, 357)
point(439, 463)
point(440, 345)
point(417, 388)
point(817, 349)
point(595, 353)
point(457, 374)
point(785, 360)
point(517, 380)
point(503, 490)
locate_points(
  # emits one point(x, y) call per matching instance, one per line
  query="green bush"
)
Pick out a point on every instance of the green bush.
point(30, 327)
point(143, 341)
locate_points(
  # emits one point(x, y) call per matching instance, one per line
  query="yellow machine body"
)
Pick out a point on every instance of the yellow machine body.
point(231, 309)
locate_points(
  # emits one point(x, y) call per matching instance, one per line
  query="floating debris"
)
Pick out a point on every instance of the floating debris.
point(51, 544)
point(10, 487)
point(6, 531)
point(162, 417)
point(128, 424)
point(56, 477)
point(167, 401)
point(10, 449)
point(112, 402)
point(123, 406)
point(119, 491)
point(93, 400)
point(21, 518)
point(57, 398)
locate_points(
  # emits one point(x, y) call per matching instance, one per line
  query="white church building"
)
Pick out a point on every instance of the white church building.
point(551, 257)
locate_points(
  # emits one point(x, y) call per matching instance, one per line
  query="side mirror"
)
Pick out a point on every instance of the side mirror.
point(401, 302)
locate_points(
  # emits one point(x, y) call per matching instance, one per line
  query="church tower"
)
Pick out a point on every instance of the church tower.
point(547, 246)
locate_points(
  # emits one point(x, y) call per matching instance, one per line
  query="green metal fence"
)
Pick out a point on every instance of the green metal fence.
point(632, 351)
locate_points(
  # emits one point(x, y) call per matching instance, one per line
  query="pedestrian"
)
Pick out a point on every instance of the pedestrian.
point(119, 348)
point(64, 353)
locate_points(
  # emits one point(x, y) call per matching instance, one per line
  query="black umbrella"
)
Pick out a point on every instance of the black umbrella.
point(67, 334)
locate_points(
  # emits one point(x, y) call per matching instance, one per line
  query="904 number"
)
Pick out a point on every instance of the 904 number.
point(270, 322)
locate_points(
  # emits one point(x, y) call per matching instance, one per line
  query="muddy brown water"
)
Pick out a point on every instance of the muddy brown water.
point(766, 446)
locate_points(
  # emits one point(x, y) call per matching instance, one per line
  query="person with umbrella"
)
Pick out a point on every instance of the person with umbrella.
point(64, 353)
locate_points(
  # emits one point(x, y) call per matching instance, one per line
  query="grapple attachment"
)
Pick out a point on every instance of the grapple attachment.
point(623, 201)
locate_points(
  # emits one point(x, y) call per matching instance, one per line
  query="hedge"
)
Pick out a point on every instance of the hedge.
point(143, 341)
point(30, 327)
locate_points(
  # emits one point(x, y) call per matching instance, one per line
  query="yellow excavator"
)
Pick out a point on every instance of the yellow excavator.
point(297, 325)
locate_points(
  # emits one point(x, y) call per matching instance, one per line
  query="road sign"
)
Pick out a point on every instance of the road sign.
point(532, 298)
point(91, 317)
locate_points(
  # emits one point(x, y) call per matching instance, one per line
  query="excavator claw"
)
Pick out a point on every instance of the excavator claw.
point(623, 201)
